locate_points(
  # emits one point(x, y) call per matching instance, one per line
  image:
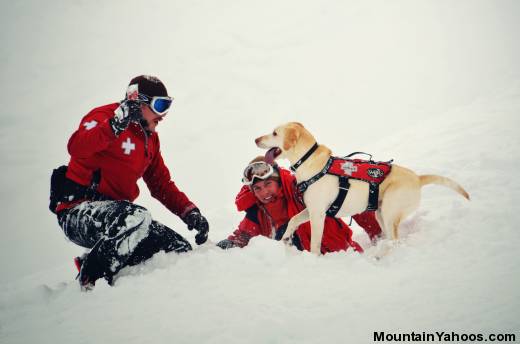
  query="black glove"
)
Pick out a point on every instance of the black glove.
point(194, 219)
point(128, 111)
point(225, 244)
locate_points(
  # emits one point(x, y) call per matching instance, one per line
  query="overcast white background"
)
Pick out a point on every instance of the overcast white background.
point(361, 75)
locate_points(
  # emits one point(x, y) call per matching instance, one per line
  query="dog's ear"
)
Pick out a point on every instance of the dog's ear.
point(291, 136)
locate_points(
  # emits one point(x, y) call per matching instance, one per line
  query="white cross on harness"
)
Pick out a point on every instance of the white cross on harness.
point(349, 168)
point(128, 146)
point(90, 125)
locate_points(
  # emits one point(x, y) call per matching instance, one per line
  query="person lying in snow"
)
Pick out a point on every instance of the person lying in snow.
point(114, 146)
point(269, 198)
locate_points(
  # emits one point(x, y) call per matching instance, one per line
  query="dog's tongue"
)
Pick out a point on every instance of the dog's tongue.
point(271, 154)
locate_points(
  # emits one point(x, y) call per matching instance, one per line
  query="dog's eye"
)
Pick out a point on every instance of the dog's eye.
point(274, 133)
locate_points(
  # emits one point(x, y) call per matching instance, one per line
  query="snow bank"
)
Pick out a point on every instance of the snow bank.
point(456, 269)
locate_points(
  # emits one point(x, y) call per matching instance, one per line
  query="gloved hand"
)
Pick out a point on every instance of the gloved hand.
point(194, 219)
point(128, 111)
point(225, 244)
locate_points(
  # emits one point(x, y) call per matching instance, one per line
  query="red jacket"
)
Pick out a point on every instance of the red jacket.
point(122, 161)
point(267, 219)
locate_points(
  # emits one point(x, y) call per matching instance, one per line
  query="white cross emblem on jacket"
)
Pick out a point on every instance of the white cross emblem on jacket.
point(90, 125)
point(128, 146)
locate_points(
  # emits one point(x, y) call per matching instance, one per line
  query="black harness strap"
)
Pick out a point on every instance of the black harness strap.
point(356, 153)
point(302, 187)
point(373, 196)
point(344, 185)
point(305, 157)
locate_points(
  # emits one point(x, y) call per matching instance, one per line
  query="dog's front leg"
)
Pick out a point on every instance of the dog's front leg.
point(294, 222)
point(317, 227)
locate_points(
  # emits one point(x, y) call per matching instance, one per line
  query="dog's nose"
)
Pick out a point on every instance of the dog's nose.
point(258, 139)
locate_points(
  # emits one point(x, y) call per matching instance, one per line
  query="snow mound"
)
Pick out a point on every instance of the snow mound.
point(455, 269)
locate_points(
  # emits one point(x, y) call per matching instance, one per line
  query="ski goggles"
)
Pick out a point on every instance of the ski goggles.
point(259, 169)
point(159, 105)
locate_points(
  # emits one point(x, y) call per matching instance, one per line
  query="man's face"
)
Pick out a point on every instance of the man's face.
point(266, 190)
point(151, 118)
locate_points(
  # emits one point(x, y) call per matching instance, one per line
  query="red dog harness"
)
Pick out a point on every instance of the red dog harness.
point(372, 172)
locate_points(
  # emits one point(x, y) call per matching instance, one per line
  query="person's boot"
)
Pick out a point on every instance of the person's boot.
point(78, 261)
point(89, 272)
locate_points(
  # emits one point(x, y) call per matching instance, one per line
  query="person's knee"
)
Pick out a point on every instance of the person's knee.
point(135, 215)
point(128, 217)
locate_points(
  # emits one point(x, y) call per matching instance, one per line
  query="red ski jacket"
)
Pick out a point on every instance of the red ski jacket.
point(122, 161)
point(267, 219)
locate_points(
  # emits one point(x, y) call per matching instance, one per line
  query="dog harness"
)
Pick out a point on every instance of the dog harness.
point(372, 172)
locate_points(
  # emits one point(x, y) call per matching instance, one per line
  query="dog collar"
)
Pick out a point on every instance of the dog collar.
point(305, 157)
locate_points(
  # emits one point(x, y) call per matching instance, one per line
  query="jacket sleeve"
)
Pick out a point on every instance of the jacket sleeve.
point(247, 229)
point(157, 178)
point(368, 222)
point(93, 135)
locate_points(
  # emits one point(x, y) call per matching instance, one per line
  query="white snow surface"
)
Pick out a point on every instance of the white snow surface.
point(434, 85)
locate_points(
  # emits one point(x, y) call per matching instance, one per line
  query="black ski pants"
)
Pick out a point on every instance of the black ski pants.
point(119, 233)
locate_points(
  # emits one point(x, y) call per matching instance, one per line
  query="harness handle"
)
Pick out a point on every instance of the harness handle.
point(352, 154)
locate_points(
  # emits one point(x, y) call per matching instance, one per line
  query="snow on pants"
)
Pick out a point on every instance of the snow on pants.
point(119, 233)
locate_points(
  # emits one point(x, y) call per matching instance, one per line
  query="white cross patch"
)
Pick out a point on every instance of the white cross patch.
point(128, 146)
point(349, 168)
point(90, 125)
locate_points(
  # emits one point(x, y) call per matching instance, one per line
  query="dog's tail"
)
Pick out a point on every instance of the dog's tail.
point(433, 179)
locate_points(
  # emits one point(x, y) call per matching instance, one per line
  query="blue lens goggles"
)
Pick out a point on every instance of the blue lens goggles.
point(159, 105)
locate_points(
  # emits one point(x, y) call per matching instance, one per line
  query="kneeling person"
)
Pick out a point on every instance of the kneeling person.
point(114, 146)
point(269, 198)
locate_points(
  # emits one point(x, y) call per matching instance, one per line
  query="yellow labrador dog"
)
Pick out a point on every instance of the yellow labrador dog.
point(399, 193)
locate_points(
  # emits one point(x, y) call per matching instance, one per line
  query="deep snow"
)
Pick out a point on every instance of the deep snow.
point(434, 85)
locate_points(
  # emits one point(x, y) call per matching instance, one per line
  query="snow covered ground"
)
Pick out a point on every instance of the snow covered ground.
point(434, 85)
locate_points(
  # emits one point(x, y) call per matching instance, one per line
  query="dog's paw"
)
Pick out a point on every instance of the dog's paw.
point(383, 249)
